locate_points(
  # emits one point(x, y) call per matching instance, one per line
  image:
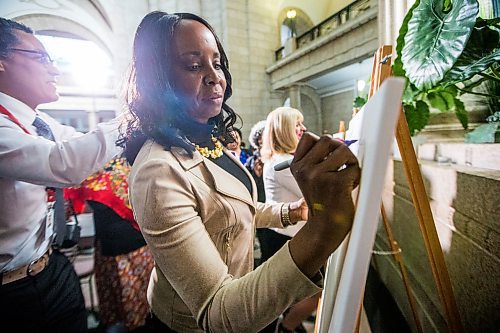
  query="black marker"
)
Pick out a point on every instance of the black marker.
point(283, 165)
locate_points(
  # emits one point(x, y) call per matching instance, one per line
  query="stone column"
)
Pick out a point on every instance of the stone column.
point(294, 93)
point(390, 16)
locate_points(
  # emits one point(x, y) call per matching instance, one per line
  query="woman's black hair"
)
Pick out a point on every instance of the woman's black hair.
point(154, 109)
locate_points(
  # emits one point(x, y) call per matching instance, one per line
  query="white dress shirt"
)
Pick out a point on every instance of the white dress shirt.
point(280, 186)
point(28, 164)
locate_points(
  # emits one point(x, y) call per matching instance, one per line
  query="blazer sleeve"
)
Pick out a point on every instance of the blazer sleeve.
point(268, 215)
point(165, 205)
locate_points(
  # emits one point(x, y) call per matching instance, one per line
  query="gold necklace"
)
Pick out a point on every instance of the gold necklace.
point(213, 153)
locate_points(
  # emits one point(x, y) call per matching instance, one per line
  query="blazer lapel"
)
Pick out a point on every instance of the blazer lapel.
point(224, 182)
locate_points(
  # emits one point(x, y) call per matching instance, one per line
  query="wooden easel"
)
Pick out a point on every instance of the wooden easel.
point(380, 71)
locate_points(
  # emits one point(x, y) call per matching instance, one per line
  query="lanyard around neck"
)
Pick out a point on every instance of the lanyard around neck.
point(13, 118)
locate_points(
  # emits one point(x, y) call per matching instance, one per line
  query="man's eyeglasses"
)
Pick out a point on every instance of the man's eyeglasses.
point(43, 57)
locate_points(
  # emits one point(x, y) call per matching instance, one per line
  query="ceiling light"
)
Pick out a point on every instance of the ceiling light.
point(291, 14)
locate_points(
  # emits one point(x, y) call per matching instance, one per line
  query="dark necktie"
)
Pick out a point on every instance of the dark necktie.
point(43, 130)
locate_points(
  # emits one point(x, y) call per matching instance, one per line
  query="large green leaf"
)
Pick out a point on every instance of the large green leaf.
point(444, 98)
point(411, 93)
point(482, 50)
point(461, 113)
point(439, 102)
point(417, 116)
point(435, 39)
point(473, 83)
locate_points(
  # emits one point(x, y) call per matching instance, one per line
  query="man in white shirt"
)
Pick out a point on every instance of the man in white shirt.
point(39, 290)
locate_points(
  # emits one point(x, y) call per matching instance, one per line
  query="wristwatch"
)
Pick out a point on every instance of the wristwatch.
point(285, 215)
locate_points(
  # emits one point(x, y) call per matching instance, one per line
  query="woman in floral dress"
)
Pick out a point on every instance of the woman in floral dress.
point(123, 262)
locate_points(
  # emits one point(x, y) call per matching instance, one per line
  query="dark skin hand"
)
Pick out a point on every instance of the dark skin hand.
point(328, 194)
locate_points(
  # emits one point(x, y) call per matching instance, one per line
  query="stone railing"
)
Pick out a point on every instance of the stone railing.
point(325, 27)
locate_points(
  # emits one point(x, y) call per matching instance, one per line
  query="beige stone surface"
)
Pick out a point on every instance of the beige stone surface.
point(336, 108)
point(466, 206)
point(484, 156)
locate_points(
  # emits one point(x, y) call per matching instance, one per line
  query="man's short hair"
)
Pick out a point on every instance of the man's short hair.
point(8, 38)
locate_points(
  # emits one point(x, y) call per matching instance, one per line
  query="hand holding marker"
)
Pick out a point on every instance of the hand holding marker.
point(286, 164)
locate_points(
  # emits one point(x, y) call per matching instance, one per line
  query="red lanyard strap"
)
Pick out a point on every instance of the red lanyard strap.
point(16, 121)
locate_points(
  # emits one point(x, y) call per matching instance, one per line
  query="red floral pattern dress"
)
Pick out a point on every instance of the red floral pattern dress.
point(121, 280)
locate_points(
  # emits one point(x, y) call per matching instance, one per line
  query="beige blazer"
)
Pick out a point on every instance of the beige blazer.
point(199, 223)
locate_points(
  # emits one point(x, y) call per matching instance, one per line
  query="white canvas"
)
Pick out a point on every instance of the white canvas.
point(374, 128)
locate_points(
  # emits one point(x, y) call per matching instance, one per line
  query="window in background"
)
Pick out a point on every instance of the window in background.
point(82, 63)
point(86, 82)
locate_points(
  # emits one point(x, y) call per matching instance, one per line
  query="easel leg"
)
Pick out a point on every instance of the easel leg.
point(427, 226)
point(396, 251)
point(420, 201)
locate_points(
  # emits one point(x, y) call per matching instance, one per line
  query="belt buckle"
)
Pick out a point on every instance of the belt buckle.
point(30, 266)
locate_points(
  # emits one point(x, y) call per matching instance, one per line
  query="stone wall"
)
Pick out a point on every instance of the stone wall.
point(310, 117)
point(466, 206)
point(335, 108)
point(252, 36)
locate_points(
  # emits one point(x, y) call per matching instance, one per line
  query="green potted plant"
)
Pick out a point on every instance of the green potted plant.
point(445, 50)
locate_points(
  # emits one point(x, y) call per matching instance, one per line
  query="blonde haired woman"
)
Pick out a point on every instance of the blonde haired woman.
point(284, 128)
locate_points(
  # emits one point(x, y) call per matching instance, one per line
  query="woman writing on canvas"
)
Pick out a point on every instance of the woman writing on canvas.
point(196, 204)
